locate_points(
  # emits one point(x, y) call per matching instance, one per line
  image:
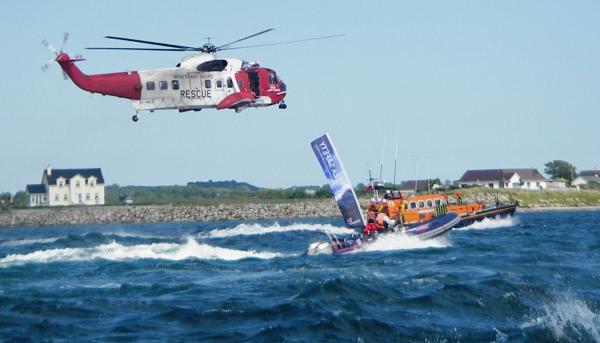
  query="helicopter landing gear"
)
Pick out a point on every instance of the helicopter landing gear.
point(135, 118)
point(282, 105)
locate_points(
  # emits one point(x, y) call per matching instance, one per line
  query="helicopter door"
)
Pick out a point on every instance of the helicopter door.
point(254, 85)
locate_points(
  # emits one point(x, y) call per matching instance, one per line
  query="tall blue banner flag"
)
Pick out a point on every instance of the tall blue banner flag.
point(340, 184)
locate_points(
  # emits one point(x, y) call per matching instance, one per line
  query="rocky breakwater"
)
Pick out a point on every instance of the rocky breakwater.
point(152, 214)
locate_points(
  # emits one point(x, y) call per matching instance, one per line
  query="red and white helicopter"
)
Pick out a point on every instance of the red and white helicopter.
point(199, 81)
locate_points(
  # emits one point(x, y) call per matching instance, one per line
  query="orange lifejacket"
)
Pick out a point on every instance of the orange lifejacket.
point(380, 219)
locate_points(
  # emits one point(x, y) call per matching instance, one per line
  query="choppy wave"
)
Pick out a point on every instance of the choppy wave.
point(492, 223)
point(568, 316)
point(116, 251)
point(401, 241)
point(257, 229)
point(19, 242)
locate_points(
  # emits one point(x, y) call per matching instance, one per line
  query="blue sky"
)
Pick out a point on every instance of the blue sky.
point(462, 84)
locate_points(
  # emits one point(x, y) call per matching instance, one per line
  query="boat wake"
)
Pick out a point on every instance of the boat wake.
point(257, 229)
point(401, 241)
point(19, 242)
point(492, 223)
point(116, 252)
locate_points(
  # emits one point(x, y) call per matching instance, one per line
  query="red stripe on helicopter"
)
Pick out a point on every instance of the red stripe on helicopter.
point(124, 85)
point(236, 100)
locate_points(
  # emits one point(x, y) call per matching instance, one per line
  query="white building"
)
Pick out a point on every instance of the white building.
point(520, 178)
point(585, 177)
point(65, 187)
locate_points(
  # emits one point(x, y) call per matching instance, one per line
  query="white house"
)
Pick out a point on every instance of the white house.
point(520, 178)
point(585, 177)
point(64, 187)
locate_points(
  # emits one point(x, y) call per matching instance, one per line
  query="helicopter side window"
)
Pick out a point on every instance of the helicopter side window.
point(272, 78)
point(175, 84)
point(229, 83)
point(219, 84)
point(150, 85)
point(207, 84)
point(163, 85)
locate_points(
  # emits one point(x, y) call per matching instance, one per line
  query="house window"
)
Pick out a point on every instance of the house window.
point(150, 85)
point(78, 183)
point(79, 197)
point(207, 84)
point(175, 84)
point(65, 197)
point(56, 197)
point(163, 85)
point(528, 184)
point(43, 198)
point(229, 83)
point(61, 183)
point(87, 196)
point(92, 183)
point(96, 196)
point(219, 84)
point(490, 185)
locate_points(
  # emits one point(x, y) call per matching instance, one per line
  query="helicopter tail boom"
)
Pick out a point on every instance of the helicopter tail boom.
point(124, 84)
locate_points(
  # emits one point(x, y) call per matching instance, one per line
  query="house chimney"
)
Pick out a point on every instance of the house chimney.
point(49, 170)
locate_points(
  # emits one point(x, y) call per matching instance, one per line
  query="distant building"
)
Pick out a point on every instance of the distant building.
point(64, 187)
point(585, 177)
point(410, 186)
point(521, 178)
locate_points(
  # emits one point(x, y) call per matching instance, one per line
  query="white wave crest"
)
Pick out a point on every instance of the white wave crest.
point(257, 229)
point(491, 223)
point(568, 313)
point(20, 242)
point(116, 252)
point(402, 241)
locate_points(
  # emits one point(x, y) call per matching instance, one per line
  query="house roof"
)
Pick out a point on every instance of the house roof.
point(69, 173)
point(594, 172)
point(525, 174)
point(482, 175)
point(422, 185)
point(36, 189)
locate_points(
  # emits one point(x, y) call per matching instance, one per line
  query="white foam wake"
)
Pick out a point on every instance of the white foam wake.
point(257, 229)
point(19, 242)
point(402, 241)
point(491, 223)
point(568, 314)
point(116, 252)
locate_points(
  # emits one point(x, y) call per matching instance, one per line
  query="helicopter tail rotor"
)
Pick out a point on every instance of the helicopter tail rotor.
point(58, 52)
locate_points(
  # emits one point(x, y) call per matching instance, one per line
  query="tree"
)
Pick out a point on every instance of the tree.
point(560, 169)
point(20, 199)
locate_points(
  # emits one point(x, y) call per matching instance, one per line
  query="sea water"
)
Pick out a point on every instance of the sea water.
point(535, 277)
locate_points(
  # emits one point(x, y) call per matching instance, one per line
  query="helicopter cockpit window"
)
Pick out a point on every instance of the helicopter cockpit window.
point(175, 84)
point(272, 78)
point(150, 85)
point(229, 83)
point(162, 85)
point(207, 84)
point(214, 65)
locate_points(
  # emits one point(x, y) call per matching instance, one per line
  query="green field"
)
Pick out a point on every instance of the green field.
point(570, 198)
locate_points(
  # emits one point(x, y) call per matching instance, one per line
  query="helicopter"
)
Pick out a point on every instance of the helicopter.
point(199, 81)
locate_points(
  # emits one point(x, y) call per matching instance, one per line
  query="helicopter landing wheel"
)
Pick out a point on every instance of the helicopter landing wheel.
point(135, 118)
point(282, 105)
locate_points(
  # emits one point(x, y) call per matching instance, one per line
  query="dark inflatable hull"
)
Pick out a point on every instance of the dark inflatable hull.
point(424, 230)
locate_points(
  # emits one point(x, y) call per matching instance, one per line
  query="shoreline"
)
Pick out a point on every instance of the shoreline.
point(97, 215)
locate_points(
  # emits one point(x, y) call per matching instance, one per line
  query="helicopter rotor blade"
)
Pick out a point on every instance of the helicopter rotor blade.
point(64, 41)
point(142, 49)
point(282, 43)
point(241, 39)
point(152, 43)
